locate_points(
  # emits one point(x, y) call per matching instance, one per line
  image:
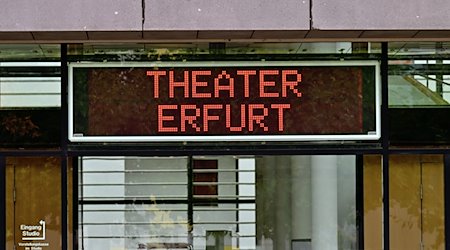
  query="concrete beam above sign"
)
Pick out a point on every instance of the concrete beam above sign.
point(279, 34)
point(224, 34)
point(116, 35)
point(160, 35)
point(65, 15)
point(18, 36)
point(54, 35)
point(380, 15)
point(226, 15)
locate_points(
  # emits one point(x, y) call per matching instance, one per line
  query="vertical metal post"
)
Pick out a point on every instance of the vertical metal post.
point(2, 202)
point(64, 99)
point(74, 203)
point(190, 215)
point(236, 167)
point(385, 143)
point(64, 203)
point(447, 199)
point(360, 199)
point(64, 121)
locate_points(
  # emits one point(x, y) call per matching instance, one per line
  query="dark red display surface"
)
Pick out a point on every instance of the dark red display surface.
point(203, 101)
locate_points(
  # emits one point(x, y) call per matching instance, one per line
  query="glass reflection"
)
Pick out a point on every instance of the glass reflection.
point(224, 202)
point(419, 74)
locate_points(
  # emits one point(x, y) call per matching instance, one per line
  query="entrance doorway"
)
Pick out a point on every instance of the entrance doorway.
point(33, 203)
point(416, 204)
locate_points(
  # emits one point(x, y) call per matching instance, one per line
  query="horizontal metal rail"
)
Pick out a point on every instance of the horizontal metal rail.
point(196, 209)
point(182, 223)
point(166, 171)
point(137, 184)
point(157, 236)
point(133, 171)
point(171, 183)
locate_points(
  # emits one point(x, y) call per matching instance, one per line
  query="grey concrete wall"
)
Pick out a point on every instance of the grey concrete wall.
point(227, 15)
point(70, 15)
point(127, 15)
point(380, 15)
point(222, 19)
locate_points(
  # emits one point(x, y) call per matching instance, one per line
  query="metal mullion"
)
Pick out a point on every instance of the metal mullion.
point(385, 143)
point(64, 204)
point(224, 209)
point(141, 198)
point(132, 157)
point(81, 205)
point(64, 146)
point(133, 210)
point(447, 199)
point(136, 171)
point(239, 197)
point(169, 209)
point(3, 202)
point(75, 205)
point(225, 222)
point(360, 200)
point(30, 94)
point(190, 212)
point(230, 201)
point(230, 150)
point(136, 184)
point(135, 236)
point(419, 151)
point(236, 164)
point(133, 223)
point(222, 183)
point(221, 171)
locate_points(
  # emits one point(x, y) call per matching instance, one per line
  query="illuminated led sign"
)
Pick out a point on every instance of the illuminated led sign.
point(224, 101)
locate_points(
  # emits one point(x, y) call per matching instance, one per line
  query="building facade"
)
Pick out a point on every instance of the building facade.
point(224, 124)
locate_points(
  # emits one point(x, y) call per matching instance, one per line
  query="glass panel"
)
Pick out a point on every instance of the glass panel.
point(267, 202)
point(33, 203)
point(30, 95)
point(128, 202)
point(133, 52)
point(306, 201)
point(417, 74)
point(30, 76)
point(419, 92)
point(31, 52)
point(229, 220)
point(119, 178)
point(416, 202)
point(30, 92)
point(30, 128)
point(133, 225)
